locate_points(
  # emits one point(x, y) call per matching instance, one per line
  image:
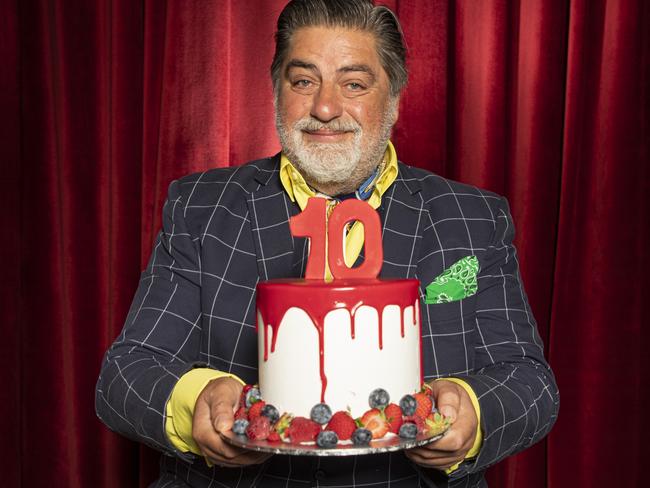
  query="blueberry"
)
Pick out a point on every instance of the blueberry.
point(321, 413)
point(361, 437)
point(239, 427)
point(271, 413)
point(253, 395)
point(408, 405)
point(378, 398)
point(408, 431)
point(327, 438)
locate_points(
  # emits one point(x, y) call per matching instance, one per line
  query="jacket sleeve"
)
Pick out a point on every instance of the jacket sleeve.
point(515, 386)
point(160, 340)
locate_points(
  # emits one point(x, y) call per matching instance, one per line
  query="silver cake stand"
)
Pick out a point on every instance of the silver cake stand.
point(385, 444)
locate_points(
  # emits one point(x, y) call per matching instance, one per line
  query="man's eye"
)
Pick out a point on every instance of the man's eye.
point(353, 86)
point(302, 83)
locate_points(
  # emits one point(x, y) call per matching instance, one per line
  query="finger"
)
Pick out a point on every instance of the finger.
point(434, 454)
point(242, 458)
point(440, 462)
point(455, 440)
point(447, 399)
point(223, 452)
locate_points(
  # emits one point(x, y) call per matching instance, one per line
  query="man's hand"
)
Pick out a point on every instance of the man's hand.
point(453, 402)
point(214, 412)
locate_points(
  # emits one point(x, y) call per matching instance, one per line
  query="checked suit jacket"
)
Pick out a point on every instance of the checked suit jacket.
point(227, 229)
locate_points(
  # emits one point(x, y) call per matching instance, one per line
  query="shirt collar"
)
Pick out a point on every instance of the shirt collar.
point(299, 191)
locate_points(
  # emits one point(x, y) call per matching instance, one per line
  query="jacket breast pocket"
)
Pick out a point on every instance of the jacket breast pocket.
point(448, 337)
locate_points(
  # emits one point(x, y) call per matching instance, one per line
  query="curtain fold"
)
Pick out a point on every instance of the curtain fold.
point(10, 243)
point(103, 103)
point(601, 274)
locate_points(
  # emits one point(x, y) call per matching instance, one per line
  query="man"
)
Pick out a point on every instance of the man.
point(174, 375)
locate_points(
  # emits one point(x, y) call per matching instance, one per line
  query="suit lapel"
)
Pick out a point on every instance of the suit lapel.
point(279, 255)
point(401, 214)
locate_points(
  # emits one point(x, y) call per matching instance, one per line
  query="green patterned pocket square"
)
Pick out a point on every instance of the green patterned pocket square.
point(455, 283)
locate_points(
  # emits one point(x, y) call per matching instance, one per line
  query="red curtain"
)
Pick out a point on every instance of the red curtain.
point(103, 103)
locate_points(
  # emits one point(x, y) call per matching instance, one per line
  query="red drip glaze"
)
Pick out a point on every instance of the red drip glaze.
point(317, 298)
point(353, 319)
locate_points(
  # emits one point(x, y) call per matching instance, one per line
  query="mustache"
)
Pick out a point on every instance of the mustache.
point(311, 124)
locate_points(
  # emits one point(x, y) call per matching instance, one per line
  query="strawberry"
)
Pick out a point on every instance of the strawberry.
point(282, 425)
point(435, 424)
point(302, 430)
point(419, 421)
point(259, 428)
point(273, 437)
point(375, 422)
point(424, 405)
point(256, 409)
point(343, 424)
point(241, 413)
point(393, 415)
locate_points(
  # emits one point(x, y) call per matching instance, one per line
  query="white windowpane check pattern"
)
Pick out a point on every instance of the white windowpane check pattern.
point(227, 229)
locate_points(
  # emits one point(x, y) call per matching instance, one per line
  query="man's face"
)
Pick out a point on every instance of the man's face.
point(334, 111)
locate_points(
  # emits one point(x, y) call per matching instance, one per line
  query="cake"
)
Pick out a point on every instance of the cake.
point(338, 360)
point(335, 342)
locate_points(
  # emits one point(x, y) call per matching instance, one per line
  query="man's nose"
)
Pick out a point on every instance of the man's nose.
point(326, 104)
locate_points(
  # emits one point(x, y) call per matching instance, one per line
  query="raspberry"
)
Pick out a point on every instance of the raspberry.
point(408, 405)
point(327, 439)
point(375, 422)
point(321, 413)
point(302, 430)
point(393, 416)
point(241, 413)
point(273, 437)
point(361, 437)
point(424, 405)
point(256, 409)
point(259, 428)
point(343, 424)
point(378, 398)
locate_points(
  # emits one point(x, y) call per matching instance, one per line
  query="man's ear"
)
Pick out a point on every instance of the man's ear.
point(396, 101)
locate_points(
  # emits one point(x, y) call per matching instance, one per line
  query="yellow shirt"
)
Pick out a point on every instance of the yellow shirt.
point(180, 407)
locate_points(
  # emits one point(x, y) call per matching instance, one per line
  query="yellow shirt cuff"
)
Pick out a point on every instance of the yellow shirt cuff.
point(476, 447)
point(180, 407)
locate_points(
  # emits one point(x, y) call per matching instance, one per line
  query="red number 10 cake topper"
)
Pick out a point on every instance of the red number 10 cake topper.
point(312, 223)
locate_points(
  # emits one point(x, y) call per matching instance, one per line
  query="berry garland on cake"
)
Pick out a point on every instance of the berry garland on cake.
point(415, 414)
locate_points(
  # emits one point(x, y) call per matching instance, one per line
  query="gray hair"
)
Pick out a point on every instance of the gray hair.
point(361, 15)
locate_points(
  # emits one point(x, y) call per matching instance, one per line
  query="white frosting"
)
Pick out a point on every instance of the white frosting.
point(290, 378)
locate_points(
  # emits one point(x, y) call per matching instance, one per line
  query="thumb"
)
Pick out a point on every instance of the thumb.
point(447, 399)
point(222, 416)
point(223, 398)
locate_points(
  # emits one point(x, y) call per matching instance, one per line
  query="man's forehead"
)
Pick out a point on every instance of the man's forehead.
point(334, 48)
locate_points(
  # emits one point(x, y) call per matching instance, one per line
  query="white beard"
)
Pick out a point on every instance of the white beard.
point(340, 165)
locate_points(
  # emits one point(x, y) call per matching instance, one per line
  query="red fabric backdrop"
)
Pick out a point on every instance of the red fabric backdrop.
point(103, 103)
